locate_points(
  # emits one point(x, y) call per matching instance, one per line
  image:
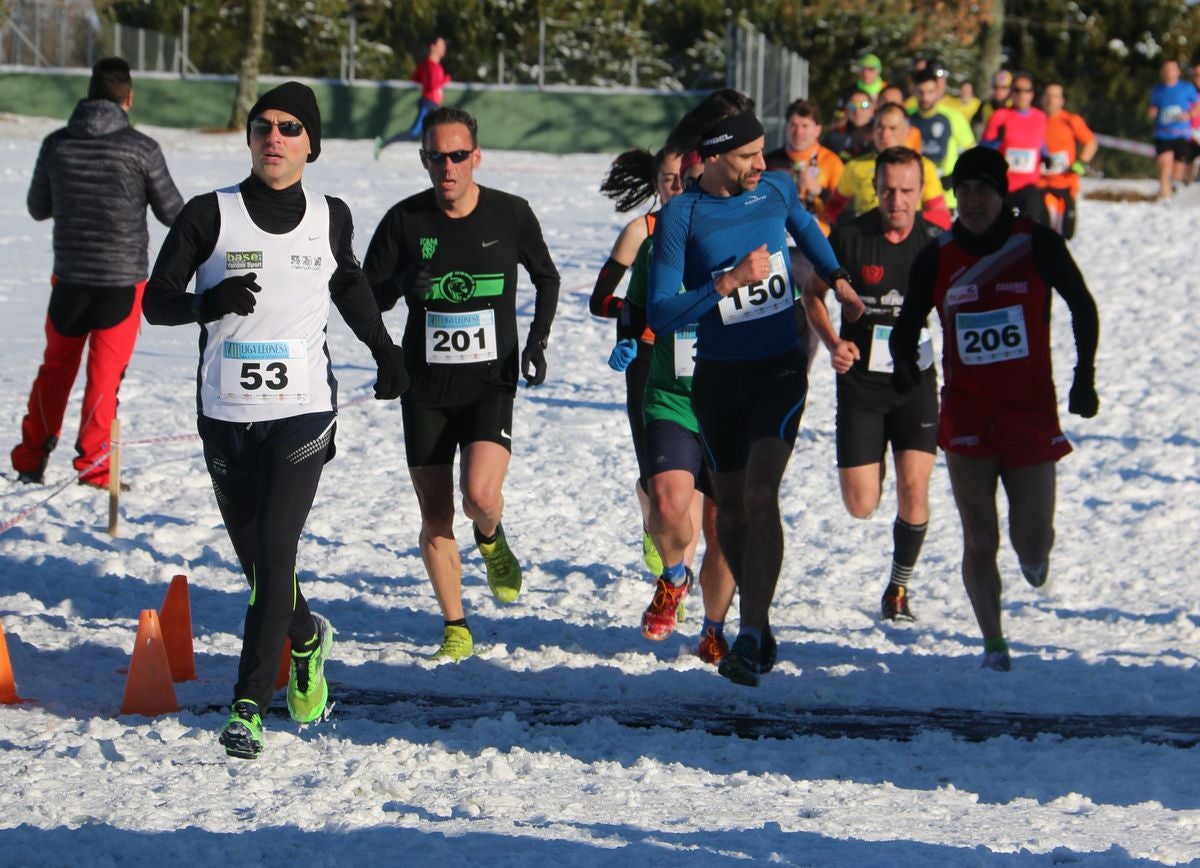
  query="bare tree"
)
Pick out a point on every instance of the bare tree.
point(247, 89)
point(991, 47)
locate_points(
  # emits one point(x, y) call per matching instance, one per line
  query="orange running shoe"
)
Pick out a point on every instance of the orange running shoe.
point(666, 609)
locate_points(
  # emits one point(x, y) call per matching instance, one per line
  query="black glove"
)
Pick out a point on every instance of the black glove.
point(391, 380)
point(231, 295)
point(534, 359)
point(415, 282)
point(905, 376)
point(631, 322)
point(1083, 400)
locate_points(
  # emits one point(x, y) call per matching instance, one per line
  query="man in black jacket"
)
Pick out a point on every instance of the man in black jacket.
point(95, 177)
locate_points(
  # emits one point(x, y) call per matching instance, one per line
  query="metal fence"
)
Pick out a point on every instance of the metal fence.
point(68, 33)
point(768, 73)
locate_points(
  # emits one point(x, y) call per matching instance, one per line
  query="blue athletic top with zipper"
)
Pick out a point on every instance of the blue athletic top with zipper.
point(699, 236)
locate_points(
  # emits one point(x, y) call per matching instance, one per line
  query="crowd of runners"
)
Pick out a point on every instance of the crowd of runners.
point(909, 202)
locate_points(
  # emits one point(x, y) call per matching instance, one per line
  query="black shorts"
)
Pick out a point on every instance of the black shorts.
point(670, 446)
point(737, 403)
point(432, 434)
point(1181, 148)
point(871, 414)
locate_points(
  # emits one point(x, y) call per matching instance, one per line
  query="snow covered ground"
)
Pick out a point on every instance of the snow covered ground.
point(407, 782)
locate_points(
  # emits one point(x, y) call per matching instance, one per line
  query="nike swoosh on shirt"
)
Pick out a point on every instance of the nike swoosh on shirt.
point(315, 237)
point(490, 243)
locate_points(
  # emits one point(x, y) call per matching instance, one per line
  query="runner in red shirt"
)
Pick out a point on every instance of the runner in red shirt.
point(433, 79)
point(1070, 146)
point(1019, 133)
point(990, 280)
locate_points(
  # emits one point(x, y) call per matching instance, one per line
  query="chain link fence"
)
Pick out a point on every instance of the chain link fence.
point(69, 34)
point(768, 73)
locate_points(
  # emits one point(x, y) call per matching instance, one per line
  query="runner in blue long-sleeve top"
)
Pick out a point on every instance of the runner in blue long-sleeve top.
point(725, 242)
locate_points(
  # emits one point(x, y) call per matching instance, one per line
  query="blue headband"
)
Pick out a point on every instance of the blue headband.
point(732, 132)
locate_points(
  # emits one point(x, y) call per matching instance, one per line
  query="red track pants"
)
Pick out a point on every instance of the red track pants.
point(109, 351)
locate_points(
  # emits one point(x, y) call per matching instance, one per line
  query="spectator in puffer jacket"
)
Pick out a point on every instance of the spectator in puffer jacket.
point(95, 177)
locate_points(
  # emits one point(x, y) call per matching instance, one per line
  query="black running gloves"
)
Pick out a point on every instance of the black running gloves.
point(533, 361)
point(391, 379)
point(1083, 400)
point(231, 295)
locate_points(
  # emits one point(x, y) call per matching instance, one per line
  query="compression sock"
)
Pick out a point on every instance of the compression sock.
point(753, 632)
point(907, 540)
point(676, 574)
point(997, 644)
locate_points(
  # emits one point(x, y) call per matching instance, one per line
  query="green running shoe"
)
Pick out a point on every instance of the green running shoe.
point(503, 571)
point(650, 555)
point(242, 735)
point(307, 690)
point(457, 645)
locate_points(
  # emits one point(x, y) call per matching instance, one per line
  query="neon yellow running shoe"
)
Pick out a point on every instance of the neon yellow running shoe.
point(503, 570)
point(242, 735)
point(457, 644)
point(307, 690)
point(650, 555)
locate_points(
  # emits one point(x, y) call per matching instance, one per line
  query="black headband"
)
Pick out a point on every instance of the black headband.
point(733, 132)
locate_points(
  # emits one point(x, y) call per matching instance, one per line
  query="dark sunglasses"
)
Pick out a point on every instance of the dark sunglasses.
point(289, 129)
point(1022, 90)
point(439, 157)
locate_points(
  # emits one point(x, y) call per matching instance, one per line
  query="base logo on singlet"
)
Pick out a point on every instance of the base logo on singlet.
point(236, 260)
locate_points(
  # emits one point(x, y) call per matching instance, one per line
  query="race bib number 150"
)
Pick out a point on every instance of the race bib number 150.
point(758, 299)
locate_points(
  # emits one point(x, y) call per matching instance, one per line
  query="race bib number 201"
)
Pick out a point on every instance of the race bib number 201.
point(991, 336)
point(460, 338)
point(254, 372)
point(758, 299)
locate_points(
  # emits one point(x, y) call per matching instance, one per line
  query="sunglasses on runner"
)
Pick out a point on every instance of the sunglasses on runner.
point(439, 157)
point(861, 104)
point(288, 129)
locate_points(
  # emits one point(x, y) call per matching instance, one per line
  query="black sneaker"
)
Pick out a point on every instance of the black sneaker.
point(894, 605)
point(30, 478)
point(1036, 574)
point(741, 664)
point(770, 652)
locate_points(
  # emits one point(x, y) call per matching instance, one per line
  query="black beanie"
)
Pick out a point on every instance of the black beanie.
point(300, 102)
point(983, 164)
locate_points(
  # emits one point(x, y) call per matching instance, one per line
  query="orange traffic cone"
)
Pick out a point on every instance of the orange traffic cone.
point(148, 687)
point(8, 686)
point(285, 665)
point(175, 616)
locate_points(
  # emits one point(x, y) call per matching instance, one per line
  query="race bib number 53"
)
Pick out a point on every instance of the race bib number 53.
point(254, 372)
point(758, 299)
point(991, 336)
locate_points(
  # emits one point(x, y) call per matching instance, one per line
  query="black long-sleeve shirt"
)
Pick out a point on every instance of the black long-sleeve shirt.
point(194, 236)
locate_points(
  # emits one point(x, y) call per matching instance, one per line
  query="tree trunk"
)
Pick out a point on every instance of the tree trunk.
point(247, 89)
point(991, 48)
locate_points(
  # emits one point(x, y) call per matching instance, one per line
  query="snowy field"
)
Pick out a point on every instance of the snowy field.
point(471, 762)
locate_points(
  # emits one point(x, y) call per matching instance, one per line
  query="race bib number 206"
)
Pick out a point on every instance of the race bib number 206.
point(758, 299)
point(992, 336)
